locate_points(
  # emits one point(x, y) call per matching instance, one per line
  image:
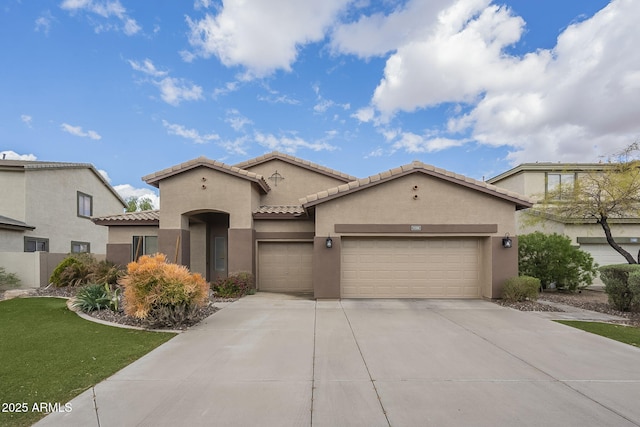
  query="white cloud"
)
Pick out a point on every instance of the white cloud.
point(105, 175)
point(575, 102)
point(127, 190)
point(26, 119)
point(290, 144)
point(44, 22)
point(12, 155)
point(105, 9)
point(147, 67)
point(262, 36)
point(78, 131)
point(173, 91)
point(236, 120)
point(191, 134)
point(413, 143)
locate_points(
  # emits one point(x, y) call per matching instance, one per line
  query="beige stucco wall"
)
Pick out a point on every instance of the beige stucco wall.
point(12, 202)
point(282, 226)
point(51, 206)
point(184, 193)
point(438, 202)
point(298, 182)
point(124, 234)
point(11, 240)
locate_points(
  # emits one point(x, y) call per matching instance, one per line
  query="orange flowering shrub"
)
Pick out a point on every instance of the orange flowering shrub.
point(153, 285)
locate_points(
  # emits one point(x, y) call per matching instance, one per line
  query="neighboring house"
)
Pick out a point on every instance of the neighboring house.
point(411, 232)
point(536, 179)
point(48, 207)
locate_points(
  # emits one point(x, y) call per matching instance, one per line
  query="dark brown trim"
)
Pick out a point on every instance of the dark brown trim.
point(417, 228)
point(285, 235)
point(120, 222)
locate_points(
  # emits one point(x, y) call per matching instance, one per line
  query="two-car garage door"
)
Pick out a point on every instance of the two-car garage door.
point(410, 268)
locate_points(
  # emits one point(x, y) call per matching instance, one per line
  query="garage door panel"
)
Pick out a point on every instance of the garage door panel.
point(412, 268)
point(285, 266)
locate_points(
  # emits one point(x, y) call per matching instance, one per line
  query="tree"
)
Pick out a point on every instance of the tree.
point(135, 204)
point(552, 259)
point(602, 196)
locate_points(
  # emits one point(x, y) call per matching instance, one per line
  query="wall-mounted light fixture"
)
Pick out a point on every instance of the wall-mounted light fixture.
point(329, 242)
point(506, 241)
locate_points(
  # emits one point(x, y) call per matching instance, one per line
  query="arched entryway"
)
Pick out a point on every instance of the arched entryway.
point(209, 243)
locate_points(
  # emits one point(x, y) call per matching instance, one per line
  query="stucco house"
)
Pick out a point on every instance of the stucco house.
point(47, 208)
point(535, 180)
point(411, 232)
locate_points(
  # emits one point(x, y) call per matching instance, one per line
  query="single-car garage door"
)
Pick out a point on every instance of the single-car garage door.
point(285, 266)
point(410, 268)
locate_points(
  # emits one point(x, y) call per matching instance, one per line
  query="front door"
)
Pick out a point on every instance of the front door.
point(219, 257)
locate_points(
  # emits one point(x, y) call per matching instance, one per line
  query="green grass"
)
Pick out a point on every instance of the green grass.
point(626, 334)
point(49, 354)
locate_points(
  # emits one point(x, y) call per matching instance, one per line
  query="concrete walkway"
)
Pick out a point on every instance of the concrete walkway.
point(273, 360)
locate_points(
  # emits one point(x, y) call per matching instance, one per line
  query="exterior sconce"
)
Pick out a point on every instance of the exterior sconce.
point(329, 243)
point(506, 241)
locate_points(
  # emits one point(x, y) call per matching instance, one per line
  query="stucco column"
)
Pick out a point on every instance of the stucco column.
point(504, 264)
point(241, 250)
point(176, 245)
point(326, 268)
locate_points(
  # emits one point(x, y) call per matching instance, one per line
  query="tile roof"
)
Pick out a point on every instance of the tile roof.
point(39, 165)
point(552, 167)
point(14, 224)
point(155, 178)
point(416, 166)
point(130, 218)
point(296, 161)
point(280, 210)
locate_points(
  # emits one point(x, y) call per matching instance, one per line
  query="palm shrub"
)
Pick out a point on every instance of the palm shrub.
point(162, 293)
point(622, 285)
point(552, 259)
point(521, 288)
point(235, 285)
point(97, 297)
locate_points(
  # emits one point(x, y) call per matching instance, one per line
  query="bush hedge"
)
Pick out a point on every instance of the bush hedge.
point(235, 285)
point(83, 269)
point(162, 293)
point(521, 288)
point(622, 285)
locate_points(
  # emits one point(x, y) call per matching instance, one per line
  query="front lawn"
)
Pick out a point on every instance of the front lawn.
point(48, 355)
point(626, 334)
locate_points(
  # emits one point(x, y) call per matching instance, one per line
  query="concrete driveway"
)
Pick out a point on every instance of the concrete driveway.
point(274, 360)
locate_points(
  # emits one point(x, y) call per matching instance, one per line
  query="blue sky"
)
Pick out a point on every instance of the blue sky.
point(473, 86)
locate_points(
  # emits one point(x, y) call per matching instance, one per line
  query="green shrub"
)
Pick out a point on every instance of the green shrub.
point(235, 285)
point(83, 269)
point(552, 259)
point(521, 288)
point(622, 285)
point(8, 279)
point(161, 292)
point(97, 297)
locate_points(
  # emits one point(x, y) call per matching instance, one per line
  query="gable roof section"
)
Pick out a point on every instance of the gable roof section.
point(551, 167)
point(276, 155)
point(520, 201)
point(279, 212)
point(130, 218)
point(155, 178)
point(7, 223)
point(34, 165)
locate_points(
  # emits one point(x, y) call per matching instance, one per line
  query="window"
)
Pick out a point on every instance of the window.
point(85, 205)
point(36, 244)
point(558, 184)
point(144, 245)
point(80, 247)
